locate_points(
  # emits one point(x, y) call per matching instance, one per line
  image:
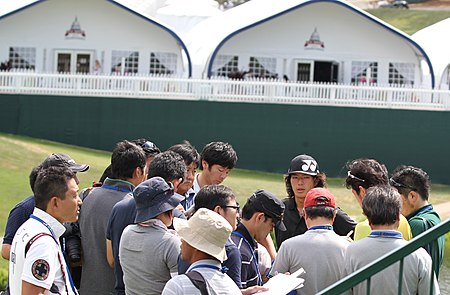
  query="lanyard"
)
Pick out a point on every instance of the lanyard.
point(255, 261)
point(387, 234)
point(328, 227)
point(72, 285)
point(116, 188)
point(223, 269)
point(45, 224)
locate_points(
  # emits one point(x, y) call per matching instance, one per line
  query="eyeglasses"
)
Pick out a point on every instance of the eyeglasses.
point(237, 207)
point(349, 174)
point(397, 184)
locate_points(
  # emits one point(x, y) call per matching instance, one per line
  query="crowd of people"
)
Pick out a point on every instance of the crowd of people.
point(152, 225)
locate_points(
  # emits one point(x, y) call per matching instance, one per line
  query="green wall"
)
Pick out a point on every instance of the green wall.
point(265, 136)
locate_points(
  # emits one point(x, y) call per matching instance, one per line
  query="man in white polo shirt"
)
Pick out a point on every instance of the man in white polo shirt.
point(37, 265)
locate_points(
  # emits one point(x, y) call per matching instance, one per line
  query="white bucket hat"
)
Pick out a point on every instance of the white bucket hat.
point(206, 231)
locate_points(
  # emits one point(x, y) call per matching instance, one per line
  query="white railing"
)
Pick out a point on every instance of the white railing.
point(250, 91)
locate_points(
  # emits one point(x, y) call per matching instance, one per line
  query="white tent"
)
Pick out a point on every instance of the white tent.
point(434, 40)
point(274, 32)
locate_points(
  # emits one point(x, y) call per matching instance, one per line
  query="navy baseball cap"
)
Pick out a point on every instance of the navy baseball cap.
point(153, 197)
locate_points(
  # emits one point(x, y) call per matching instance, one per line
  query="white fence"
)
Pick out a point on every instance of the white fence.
point(250, 91)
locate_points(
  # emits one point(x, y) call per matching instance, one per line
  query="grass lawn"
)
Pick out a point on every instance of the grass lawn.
point(409, 21)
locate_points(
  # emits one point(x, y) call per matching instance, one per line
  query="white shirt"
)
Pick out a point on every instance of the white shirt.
point(216, 281)
point(196, 185)
point(41, 266)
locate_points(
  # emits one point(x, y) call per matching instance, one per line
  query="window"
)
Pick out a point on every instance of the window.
point(401, 73)
point(163, 63)
point(263, 67)
point(22, 58)
point(364, 72)
point(226, 66)
point(124, 62)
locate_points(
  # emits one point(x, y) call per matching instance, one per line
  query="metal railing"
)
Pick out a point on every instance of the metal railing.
point(387, 260)
point(220, 89)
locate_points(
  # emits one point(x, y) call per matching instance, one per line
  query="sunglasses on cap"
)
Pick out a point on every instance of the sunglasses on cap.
point(398, 184)
point(150, 147)
point(350, 175)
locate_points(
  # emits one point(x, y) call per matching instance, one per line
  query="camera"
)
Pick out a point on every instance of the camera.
point(72, 238)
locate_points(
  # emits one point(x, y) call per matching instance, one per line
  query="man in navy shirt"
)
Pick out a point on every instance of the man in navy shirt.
point(22, 211)
point(260, 215)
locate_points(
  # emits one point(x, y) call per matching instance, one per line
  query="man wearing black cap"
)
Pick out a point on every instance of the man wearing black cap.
point(148, 251)
point(302, 176)
point(262, 212)
point(22, 211)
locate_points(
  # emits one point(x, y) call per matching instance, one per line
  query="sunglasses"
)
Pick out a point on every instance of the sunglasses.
point(150, 147)
point(397, 184)
point(350, 175)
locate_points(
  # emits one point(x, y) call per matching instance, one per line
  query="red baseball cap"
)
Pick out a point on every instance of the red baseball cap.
point(319, 197)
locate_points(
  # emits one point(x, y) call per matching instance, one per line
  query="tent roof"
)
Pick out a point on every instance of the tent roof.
point(434, 39)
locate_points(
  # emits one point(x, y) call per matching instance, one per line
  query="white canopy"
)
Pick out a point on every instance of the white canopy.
point(434, 40)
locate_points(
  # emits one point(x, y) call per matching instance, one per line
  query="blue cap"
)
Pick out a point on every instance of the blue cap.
point(153, 197)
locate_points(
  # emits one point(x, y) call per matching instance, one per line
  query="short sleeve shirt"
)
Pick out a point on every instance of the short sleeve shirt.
point(250, 275)
point(18, 215)
point(43, 265)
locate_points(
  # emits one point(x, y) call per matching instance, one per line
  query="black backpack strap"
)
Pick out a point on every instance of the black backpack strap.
point(198, 280)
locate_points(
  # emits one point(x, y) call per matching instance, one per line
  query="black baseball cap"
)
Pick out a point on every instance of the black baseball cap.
point(304, 164)
point(63, 160)
point(265, 202)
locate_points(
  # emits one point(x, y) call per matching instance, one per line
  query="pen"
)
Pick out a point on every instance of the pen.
point(349, 234)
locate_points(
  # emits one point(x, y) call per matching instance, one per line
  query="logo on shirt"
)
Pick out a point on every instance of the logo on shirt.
point(40, 269)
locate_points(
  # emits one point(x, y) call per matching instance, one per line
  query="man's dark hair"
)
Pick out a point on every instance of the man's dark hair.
point(320, 211)
point(125, 158)
point(320, 180)
point(33, 175)
point(168, 165)
point(410, 178)
point(51, 182)
point(214, 195)
point(248, 211)
point(219, 153)
point(365, 173)
point(382, 205)
point(187, 151)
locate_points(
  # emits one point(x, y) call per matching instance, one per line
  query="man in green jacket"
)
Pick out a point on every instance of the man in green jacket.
point(414, 185)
